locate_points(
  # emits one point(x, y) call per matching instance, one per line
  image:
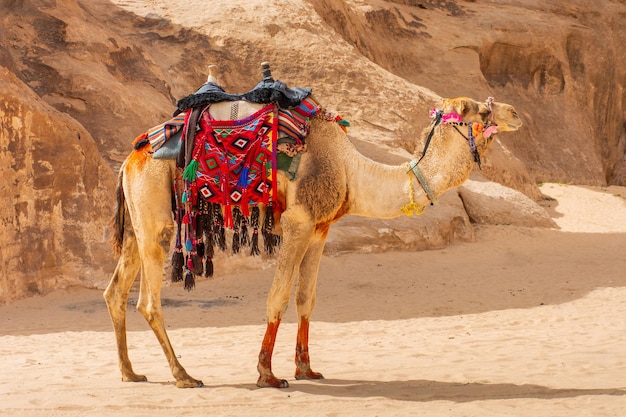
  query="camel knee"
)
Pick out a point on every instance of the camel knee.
point(113, 295)
point(150, 312)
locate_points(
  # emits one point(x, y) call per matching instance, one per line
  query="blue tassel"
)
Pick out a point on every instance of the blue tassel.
point(243, 178)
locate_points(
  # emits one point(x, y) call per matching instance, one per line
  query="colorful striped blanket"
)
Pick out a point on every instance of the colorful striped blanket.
point(293, 128)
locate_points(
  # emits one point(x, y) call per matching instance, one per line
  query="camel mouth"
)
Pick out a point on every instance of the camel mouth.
point(510, 126)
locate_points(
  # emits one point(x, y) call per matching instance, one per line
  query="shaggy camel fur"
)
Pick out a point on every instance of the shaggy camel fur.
point(333, 180)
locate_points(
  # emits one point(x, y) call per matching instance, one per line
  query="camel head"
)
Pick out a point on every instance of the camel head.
point(488, 118)
point(487, 113)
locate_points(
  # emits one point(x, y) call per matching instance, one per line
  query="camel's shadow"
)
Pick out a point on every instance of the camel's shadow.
point(425, 390)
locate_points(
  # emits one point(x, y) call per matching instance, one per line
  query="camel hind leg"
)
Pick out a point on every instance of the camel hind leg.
point(116, 297)
point(146, 198)
point(149, 198)
point(149, 305)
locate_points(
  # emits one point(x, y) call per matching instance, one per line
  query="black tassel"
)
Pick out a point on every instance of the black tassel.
point(235, 245)
point(200, 249)
point(254, 246)
point(254, 222)
point(190, 281)
point(178, 261)
point(219, 234)
point(269, 238)
point(268, 224)
point(270, 242)
point(221, 238)
point(245, 238)
point(208, 269)
point(209, 250)
point(237, 217)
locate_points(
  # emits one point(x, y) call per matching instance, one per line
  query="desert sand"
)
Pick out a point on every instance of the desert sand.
point(523, 322)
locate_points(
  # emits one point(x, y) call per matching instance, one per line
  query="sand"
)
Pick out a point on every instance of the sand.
point(523, 322)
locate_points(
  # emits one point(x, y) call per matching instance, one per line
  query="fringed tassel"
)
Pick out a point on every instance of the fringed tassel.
point(219, 234)
point(270, 240)
point(209, 248)
point(208, 267)
point(190, 281)
point(190, 171)
point(178, 260)
point(200, 248)
point(254, 222)
point(237, 216)
point(245, 237)
point(204, 234)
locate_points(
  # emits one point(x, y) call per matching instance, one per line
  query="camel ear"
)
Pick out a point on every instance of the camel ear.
point(459, 105)
point(452, 105)
point(469, 108)
point(462, 107)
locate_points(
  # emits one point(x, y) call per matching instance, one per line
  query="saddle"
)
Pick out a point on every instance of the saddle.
point(295, 106)
point(228, 167)
point(266, 91)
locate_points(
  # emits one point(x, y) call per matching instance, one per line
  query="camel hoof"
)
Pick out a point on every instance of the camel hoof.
point(193, 383)
point(272, 382)
point(308, 375)
point(134, 378)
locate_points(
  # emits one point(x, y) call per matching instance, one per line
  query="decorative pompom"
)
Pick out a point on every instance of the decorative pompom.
point(451, 118)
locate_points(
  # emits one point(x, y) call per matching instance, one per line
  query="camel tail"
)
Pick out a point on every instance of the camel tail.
point(117, 223)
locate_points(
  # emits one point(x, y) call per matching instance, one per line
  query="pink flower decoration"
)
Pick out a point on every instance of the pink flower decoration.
point(433, 113)
point(451, 118)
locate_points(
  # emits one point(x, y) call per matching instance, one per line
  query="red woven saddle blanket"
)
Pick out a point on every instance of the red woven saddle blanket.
point(233, 162)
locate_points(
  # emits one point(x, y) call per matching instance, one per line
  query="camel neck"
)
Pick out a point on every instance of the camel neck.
point(380, 190)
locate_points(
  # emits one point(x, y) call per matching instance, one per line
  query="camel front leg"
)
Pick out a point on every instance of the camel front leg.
point(149, 305)
point(297, 231)
point(116, 298)
point(305, 302)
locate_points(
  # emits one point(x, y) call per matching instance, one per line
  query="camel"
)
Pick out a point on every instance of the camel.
point(333, 180)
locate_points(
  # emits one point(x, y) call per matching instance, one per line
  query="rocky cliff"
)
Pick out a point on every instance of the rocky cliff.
point(56, 192)
point(80, 78)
